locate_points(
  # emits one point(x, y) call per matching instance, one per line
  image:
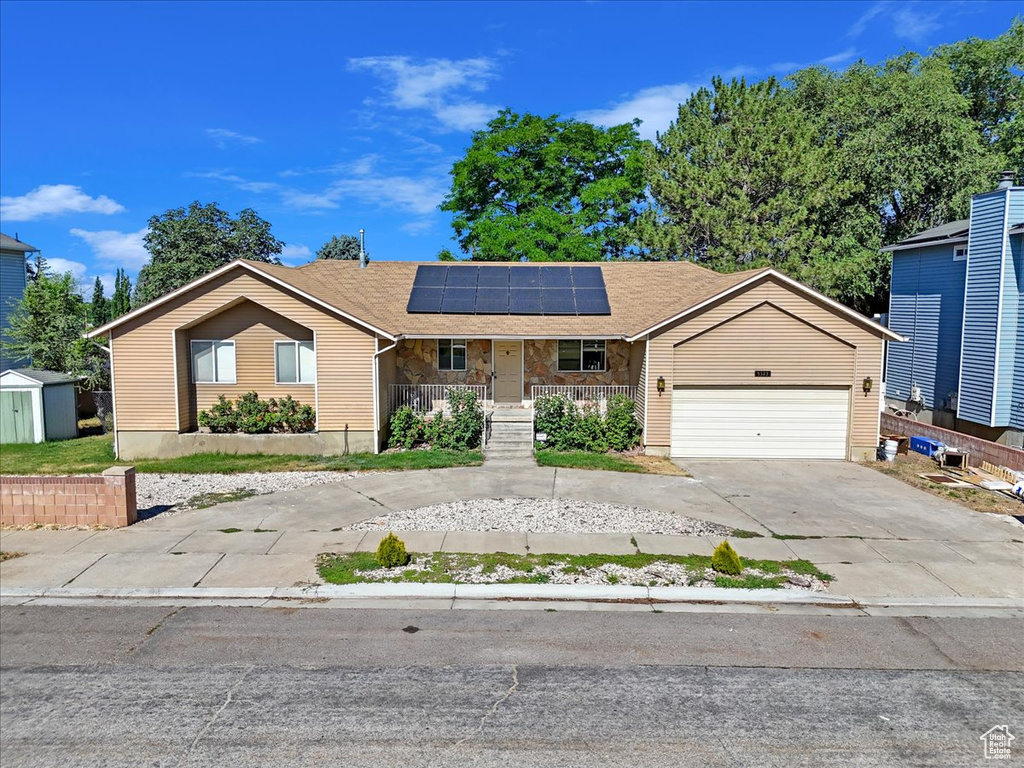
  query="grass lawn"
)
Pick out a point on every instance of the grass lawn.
point(907, 468)
point(443, 567)
point(90, 455)
point(613, 462)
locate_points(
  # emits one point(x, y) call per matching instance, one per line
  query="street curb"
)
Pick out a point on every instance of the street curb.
point(511, 592)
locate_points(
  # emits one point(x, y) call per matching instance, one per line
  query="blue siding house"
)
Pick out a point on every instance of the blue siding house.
point(956, 295)
point(13, 280)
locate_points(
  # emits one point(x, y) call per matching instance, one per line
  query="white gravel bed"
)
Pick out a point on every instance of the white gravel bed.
point(172, 492)
point(656, 574)
point(540, 516)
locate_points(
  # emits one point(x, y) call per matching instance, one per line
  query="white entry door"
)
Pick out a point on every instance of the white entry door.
point(760, 422)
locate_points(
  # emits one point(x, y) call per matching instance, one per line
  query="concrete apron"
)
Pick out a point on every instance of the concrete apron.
point(546, 597)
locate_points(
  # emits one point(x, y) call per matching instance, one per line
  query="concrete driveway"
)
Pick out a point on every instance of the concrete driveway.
point(878, 536)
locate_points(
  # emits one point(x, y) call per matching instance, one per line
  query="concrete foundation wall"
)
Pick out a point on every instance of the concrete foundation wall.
point(107, 499)
point(170, 445)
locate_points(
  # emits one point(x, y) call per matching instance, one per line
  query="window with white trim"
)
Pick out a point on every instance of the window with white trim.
point(959, 253)
point(451, 354)
point(213, 362)
point(581, 355)
point(294, 362)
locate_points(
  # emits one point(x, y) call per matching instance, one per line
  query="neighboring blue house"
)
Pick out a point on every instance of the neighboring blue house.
point(956, 294)
point(13, 280)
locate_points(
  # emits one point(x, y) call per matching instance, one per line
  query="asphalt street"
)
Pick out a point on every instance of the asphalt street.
point(308, 686)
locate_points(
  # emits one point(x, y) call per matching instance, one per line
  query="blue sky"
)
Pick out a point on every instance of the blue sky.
point(327, 117)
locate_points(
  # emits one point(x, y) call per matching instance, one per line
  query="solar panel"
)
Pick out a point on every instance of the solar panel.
point(524, 301)
point(425, 299)
point(493, 277)
point(459, 301)
point(587, 277)
point(430, 275)
point(555, 277)
point(592, 301)
point(462, 277)
point(557, 301)
point(524, 277)
point(491, 301)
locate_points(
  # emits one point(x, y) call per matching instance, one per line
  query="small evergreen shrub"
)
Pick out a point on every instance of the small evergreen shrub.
point(251, 415)
point(406, 427)
point(725, 560)
point(621, 425)
point(391, 552)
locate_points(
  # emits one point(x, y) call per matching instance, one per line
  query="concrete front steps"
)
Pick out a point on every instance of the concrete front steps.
point(511, 435)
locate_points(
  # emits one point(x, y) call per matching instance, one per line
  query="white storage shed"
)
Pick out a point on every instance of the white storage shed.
point(37, 405)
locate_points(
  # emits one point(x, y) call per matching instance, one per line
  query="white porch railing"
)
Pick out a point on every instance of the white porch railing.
point(582, 393)
point(428, 398)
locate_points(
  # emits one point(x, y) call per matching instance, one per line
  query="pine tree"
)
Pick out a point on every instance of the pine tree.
point(120, 302)
point(99, 310)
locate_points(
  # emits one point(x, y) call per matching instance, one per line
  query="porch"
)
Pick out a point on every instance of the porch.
point(512, 372)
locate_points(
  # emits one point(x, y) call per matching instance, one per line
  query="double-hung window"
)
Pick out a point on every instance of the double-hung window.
point(213, 362)
point(581, 355)
point(451, 354)
point(294, 362)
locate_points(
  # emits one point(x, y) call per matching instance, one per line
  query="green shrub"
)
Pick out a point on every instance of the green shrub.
point(725, 560)
point(622, 427)
point(437, 432)
point(251, 415)
point(466, 427)
point(406, 427)
point(391, 552)
point(556, 415)
point(588, 431)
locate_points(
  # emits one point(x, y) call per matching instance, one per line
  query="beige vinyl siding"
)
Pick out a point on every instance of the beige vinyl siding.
point(637, 369)
point(796, 363)
point(765, 338)
point(254, 329)
point(145, 380)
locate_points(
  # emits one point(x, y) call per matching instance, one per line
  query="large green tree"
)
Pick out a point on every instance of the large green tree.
point(547, 189)
point(121, 301)
point(185, 244)
point(340, 248)
point(46, 326)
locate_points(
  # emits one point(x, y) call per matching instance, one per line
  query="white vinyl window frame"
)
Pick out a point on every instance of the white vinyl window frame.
point(219, 376)
point(301, 376)
point(959, 253)
point(452, 345)
point(596, 346)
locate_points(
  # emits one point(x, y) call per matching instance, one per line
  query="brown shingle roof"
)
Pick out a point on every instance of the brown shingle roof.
point(641, 294)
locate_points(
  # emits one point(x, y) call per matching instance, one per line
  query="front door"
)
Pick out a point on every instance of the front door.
point(508, 371)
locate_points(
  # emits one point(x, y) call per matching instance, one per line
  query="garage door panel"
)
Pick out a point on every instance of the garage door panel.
point(760, 422)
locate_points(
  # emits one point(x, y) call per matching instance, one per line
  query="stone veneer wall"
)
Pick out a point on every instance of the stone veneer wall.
point(416, 361)
point(541, 356)
point(108, 499)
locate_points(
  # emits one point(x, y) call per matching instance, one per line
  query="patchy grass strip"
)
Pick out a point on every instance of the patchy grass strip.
point(505, 568)
point(93, 454)
point(609, 462)
point(10, 555)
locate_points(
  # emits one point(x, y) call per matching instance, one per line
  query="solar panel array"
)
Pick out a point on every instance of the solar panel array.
point(482, 290)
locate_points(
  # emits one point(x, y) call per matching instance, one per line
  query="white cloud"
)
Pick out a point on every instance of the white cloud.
point(238, 181)
point(53, 200)
point(912, 21)
point(417, 227)
point(838, 58)
point(60, 266)
point(80, 272)
point(296, 253)
point(657, 107)
point(437, 86)
point(223, 137)
point(125, 249)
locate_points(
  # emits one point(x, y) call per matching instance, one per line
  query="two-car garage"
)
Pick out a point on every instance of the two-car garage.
point(773, 371)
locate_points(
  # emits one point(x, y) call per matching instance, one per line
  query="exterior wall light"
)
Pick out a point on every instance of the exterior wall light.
point(661, 385)
point(867, 384)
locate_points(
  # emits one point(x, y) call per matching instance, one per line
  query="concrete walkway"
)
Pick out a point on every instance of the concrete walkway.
point(880, 537)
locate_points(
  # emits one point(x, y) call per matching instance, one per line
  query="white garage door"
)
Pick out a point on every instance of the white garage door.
point(760, 422)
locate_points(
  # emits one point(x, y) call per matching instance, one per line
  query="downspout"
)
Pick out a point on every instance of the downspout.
point(376, 394)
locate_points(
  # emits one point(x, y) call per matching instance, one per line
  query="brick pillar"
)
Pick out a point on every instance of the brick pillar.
point(120, 483)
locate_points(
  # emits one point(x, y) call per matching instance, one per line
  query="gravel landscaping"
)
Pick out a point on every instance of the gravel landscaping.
point(171, 493)
point(540, 516)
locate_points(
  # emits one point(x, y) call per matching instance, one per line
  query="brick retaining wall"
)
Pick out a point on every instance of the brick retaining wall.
point(980, 450)
point(107, 499)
